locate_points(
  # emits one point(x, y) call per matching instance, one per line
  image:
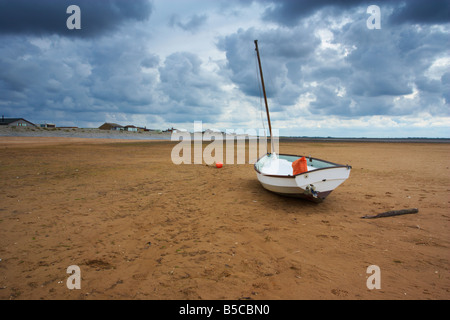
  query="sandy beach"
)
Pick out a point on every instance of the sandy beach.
point(140, 227)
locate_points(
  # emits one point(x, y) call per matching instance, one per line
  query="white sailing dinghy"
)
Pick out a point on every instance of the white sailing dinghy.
point(294, 175)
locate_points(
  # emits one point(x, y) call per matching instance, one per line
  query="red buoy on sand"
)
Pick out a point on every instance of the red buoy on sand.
point(219, 164)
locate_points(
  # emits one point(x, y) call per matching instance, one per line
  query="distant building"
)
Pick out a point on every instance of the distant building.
point(131, 128)
point(111, 126)
point(48, 125)
point(16, 122)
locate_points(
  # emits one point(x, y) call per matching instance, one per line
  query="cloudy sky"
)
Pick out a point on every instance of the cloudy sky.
point(164, 63)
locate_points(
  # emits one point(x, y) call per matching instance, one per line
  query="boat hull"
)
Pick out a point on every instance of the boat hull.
point(288, 190)
point(314, 185)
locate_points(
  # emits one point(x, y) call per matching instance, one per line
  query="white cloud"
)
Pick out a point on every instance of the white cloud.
point(438, 68)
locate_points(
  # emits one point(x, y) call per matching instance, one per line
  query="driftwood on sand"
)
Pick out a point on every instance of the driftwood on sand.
point(391, 213)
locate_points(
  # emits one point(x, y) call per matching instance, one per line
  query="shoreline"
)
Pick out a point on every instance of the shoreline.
point(81, 133)
point(88, 133)
point(378, 140)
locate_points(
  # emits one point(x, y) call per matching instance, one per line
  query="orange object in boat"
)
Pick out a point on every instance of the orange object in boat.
point(299, 166)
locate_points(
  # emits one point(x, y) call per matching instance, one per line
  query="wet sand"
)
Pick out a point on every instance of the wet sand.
point(140, 227)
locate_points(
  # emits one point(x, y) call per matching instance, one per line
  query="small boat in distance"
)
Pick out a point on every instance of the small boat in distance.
point(293, 175)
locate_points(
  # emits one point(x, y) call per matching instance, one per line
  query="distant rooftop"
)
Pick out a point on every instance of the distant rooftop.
point(6, 121)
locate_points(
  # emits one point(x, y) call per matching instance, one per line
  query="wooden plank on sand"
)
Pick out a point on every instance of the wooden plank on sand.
point(391, 213)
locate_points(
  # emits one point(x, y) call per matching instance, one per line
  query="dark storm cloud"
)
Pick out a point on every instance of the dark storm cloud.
point(378, 64)
point(76, 81)
point(392, 62)
point(423, 12)
point(190, 91)
point(45, 17)
point(283, 53)
point(288, 12)
point(379, 67)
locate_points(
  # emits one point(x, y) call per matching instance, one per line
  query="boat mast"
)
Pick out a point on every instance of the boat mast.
point(265, 97)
